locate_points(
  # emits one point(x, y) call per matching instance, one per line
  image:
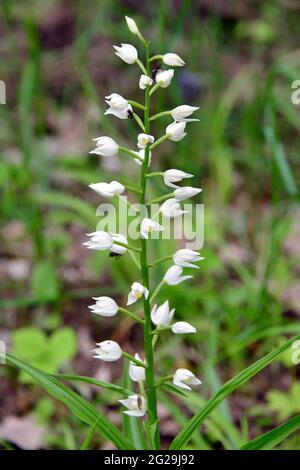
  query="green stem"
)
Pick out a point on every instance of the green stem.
point(154, 173)
point(160, 199)
point(156, 116)
point(133, 359)
point(132, 189)
point(129, 247)
point(136, 104)
point(154, 88)
point(160, 260)
point(150, 379)
point(156, 291)
point(142, 66)
point(131, 315)
point(139, 121)
point(159, 141)
point(131, 153)
point(156, 57)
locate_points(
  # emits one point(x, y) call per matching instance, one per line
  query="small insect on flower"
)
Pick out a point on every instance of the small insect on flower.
point(137, 291)
point(118, 106)
point(181, 113)
point(182, 327)
point(136, 405)
point(155, 71)
point(144, 81)
point(144, 140)
point(108, 351)
point(99, 241)
point(174, 276)
point(136, 373)
point(174, 176)
point(183, 378)
point(109, 190)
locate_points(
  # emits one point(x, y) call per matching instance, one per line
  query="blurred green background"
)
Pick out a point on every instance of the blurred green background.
point(58, 64)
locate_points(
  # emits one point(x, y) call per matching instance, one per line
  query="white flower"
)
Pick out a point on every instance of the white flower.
point(181, 327)
point(149, 226)
point(174, 176)
point(144, 81)
point(99, 241)
point(144, 140)
point(136, 373)
point(162, 315)
point(173, 59)
point(116, 101)
point(108, 351)
point(127, 52)
point(141, 154)
point(171, 209)
point(164, 77)
point(186, 192)
point(105, 146)
point(118, 106)
point(104, 306)
point(175, 131)
point(118, 249)
point(114, 188)
point(132, 26)
point(174, 276)
point(184, 377)
point(186, 257)
point(137, 291)
point(180, 113)
point(136, 405)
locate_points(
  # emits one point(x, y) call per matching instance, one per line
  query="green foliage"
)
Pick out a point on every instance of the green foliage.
point(44, 282)
point(285, 404)
point(45, 352)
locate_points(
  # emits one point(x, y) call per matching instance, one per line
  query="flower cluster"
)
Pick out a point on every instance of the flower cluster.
point(157, 318)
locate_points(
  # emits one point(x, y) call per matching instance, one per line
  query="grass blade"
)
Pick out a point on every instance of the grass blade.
point(184, 435)
point(89, 436)
point(272, 438)
point(90, 380)
point(78, 405)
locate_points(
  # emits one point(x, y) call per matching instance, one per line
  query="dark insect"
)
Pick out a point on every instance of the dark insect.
point(154, 72)
point(139, 402)
point(130, 114)
point(114, 255)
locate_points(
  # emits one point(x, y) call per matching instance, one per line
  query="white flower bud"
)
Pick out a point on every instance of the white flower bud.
point(144, 140)
point(106, 147)
point(162, 315)
point(174, 176)
point(173, 60)
point(141, 154)
point(127, 52)
point(186, 192)
point(118, 249)
point(109, 190)
point(99, 241)
point(186, 257)
point(137, 291)
point(164, 77)
point(181, 327)
point(149, 226)
point(104, 306)
point(108, 351)
point(182, 378)
point(175, 131)
point(132, 26)
point(174, 276)
point(181, 113)
point(136, 373)
point(171, 209)
point(144, 81)
point(136, 405)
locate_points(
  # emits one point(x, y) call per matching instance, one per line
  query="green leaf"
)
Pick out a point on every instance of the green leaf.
point(62, 345)
point(77, 405)
point(44, 282)
point(89, 436)
point(185, 434)
point(30, 343)
point(98, 383)
point(172, 389)
point(272, 438)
